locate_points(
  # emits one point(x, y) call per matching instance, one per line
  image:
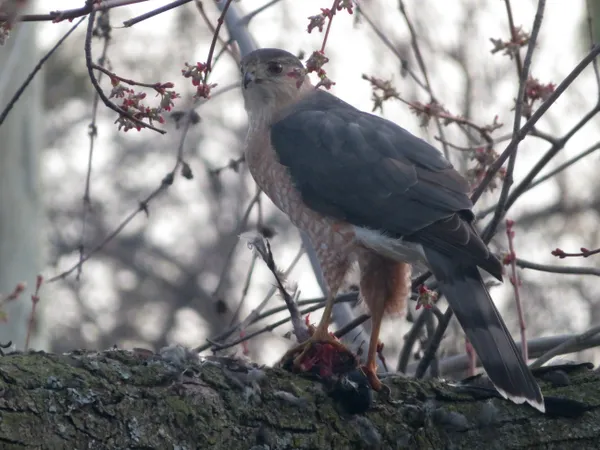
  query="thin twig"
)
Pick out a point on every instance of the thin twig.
point(211, 50)
point(566, 347)
point(129, 81)
point(236, 315)
point(155, 12)
point(514, 38)
point(524, 75)
point(450, 118)
point(583, 253)
point(416, 49)
point(35, 71)
point(536, 348)
point(167, 181)
point(35, 299)
point(409, 341)
point(590, 27)
point(548, 156)
point(233, 164)
point(239, 229)
point(86, 207)
point(535, 132)
point(351, 325)
point(259, 225)
point(333, 11)
point(214, 31)
point(434, 368)
point(516, 283)
point(565, 165)
point(524, 187)
point(434, 344)
point(70, 14)
point(535, 117)
point(217, 340)
point(262, 247)
point(471, 357)
point(510, 151)
point(217, 347)
point(403, 62)
point(90, 68)
point(563, 270)
point(244, 21)
point(252, 316)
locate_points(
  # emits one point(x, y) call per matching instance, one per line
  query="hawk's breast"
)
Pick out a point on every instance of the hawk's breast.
point(327, 234)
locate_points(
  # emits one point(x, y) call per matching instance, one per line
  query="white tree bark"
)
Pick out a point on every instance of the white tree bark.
point(20, 203)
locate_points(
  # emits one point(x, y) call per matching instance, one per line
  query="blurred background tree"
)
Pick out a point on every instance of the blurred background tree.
point(22, 222)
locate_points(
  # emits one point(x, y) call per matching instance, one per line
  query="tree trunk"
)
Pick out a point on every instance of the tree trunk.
point(119, 399)
point(20, 205)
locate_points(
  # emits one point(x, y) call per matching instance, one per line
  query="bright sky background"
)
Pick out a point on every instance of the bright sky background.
point(352, 53)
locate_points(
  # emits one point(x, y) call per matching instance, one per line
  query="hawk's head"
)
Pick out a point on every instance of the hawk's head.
point(271, 78)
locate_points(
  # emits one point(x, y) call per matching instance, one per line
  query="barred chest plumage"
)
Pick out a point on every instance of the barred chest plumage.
point(333, 240)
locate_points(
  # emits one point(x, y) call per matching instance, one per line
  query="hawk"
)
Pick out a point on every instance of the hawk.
point(364, 189)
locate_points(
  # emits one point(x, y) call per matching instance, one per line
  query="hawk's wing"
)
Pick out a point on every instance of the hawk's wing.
point(372, 173)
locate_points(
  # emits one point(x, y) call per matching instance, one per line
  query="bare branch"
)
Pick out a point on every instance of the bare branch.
point(143, 206)
point(155, 12)
point(86, 207)
point(214, 31)
point(511, 259)
point(410, 339)
point(90, 66)
point(535, 117)
point(590, 27)
point(583, 252)
point(567, 346)
point(416, 49)
point(564, 270)
point(217, 347)
point(524, 75)
point(403, 62)
point(241, 226)
point(244, 21)
point(262, 247)
point(536, 348)
point(35, 71)
point(70, 14)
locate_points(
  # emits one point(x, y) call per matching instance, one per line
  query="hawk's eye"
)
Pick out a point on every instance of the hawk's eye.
point(274, 68)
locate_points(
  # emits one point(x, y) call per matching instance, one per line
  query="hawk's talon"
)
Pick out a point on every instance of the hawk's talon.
point(371, 374)
point(321, 351)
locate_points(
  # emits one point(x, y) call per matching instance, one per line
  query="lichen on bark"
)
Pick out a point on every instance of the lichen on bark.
point(120, 399)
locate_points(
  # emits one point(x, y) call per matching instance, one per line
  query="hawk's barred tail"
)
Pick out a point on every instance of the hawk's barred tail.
point(485, 329)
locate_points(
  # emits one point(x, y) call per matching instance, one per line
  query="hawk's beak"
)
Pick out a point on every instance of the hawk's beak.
point(248, 78)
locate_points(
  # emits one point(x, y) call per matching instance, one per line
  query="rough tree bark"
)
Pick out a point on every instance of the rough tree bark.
point(118, 399)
